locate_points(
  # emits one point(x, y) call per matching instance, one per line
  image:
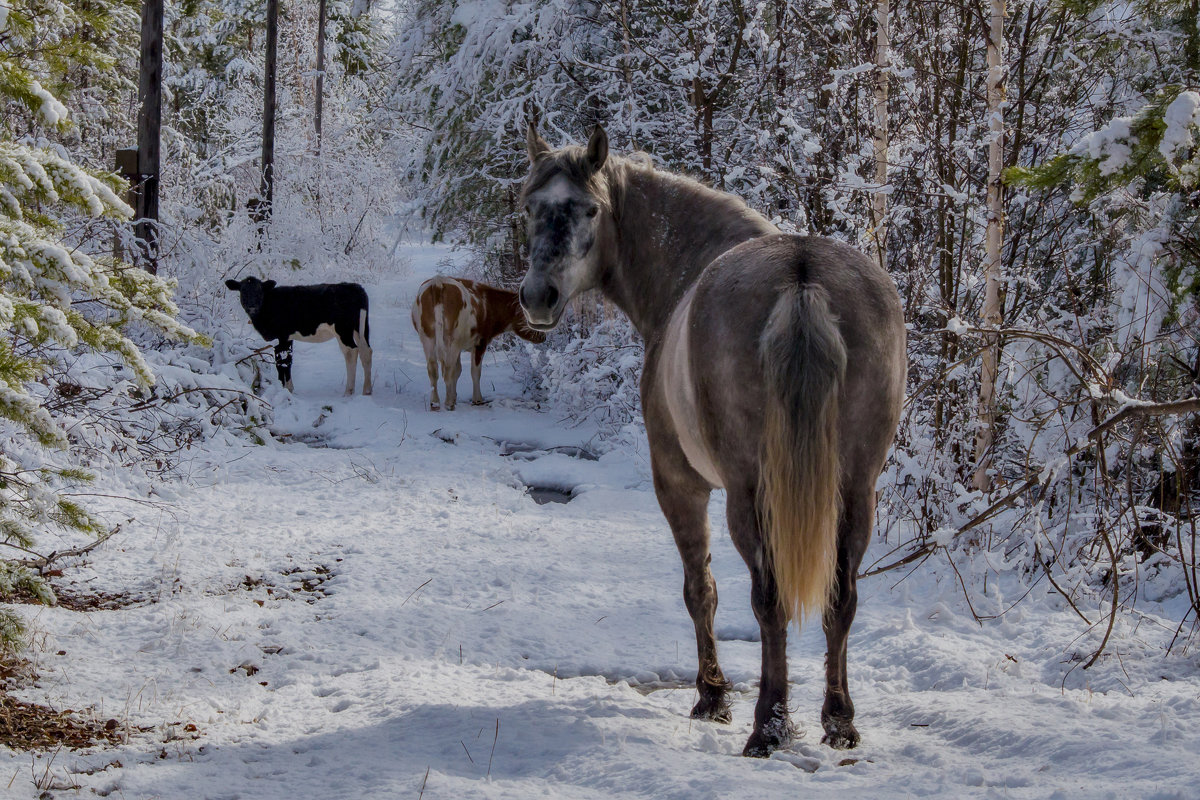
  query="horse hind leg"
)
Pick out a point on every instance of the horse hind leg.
point(772, 724)
point(683, 496)
point(854, 530)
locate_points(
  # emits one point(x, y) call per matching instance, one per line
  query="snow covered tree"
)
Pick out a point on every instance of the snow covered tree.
point(54, 297)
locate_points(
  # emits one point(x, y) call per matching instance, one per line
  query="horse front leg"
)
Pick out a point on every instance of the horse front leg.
point(772, 724)
point(854, 530)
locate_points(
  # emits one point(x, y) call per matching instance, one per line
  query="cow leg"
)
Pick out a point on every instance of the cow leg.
point(364, 356)
point(772, 726)
point(854, 531)
point(431, 367)
point(451, 369)
point(351, 356)
point(476, 372)
point(283, 363)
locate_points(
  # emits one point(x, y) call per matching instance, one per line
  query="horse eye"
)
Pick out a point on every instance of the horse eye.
point(527, 208)
point(591, 212)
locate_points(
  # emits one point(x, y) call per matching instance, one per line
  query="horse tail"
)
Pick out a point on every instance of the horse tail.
point(799, 499)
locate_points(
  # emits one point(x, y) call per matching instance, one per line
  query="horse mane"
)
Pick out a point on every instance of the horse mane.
point(638, 163)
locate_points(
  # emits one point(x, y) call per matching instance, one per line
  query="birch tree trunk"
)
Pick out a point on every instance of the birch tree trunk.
point(879, 198)
point(985, 434)
point(320, 82)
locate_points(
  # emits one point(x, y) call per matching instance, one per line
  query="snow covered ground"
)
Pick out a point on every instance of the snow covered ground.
point(372, 605)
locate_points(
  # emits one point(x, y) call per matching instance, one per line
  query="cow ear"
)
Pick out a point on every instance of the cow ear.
point(232, 284)
point(597, 148)
point(535, 145)
point(268, 284)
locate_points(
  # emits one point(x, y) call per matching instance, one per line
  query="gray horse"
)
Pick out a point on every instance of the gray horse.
point(775, 369)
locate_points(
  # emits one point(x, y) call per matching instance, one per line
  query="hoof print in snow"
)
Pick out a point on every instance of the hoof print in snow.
point(545, 492)
point(526, 451)
point(550, 494)
point(448, 438)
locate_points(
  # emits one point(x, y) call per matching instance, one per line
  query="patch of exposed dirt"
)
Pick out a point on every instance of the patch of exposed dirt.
point(99, 601)
point(29, 726)
point(304, 582)
point(75, 598)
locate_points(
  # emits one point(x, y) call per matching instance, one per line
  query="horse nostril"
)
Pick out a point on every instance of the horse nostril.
point(551, 296)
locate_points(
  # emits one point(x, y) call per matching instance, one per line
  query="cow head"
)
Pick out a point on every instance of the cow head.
point(253, 293)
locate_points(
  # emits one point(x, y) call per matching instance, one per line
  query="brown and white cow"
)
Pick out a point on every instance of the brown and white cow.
point(456, 314)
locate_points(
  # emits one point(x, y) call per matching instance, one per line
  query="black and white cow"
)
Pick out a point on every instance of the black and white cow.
point(314, 313)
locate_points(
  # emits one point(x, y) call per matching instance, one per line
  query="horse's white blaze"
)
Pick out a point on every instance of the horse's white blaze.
point(324, 333)
point(557, 190)
point(675, 376)
point(577, 274)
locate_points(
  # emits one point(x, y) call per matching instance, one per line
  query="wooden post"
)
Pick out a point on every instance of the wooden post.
point(127, 168)
point(149, 131)
point(266, 192)
point(985, 433)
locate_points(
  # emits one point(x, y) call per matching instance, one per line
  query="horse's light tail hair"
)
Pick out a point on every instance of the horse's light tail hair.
point(799, 499)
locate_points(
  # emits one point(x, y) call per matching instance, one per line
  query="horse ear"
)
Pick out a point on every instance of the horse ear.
point(597, 148)
point(232, 284)
point(268, 284)
point(535, 145)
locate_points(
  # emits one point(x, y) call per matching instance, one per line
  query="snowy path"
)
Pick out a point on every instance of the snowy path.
point(381, 610)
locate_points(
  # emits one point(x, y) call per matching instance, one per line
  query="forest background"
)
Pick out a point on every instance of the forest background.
point(1028, 174)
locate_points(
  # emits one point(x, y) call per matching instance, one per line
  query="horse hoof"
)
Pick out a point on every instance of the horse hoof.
point(840, 735)
point(434, 407)
point(479, 402)
point(760, 746)
point(776, 733)
point(714, 711)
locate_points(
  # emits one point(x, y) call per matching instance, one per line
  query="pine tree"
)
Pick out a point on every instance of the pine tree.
point(54, 297)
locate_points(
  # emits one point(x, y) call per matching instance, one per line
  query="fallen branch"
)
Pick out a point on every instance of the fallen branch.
point(42, 562)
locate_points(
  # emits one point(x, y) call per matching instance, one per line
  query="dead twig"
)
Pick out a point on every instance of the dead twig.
point(42, 562)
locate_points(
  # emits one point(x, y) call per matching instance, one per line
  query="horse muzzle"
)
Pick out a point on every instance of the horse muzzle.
point(542, 303)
